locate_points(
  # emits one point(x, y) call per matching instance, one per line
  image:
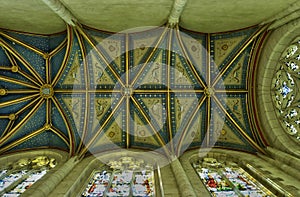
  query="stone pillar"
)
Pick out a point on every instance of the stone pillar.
point(183, 183)
point(54, 179)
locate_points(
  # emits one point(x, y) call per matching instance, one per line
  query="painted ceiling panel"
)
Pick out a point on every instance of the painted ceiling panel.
point(152, 90)
point(144, 134)
point(150, 74)
point(113, 48)
point(194, 130)
point(102, 110)
point(43, 140)
point(73, 74)
point(195, 47)
point(236, 76)
point(234, 106)
point(107, 136)
point(224, 47)
point(101, 75)
point(154, 107)
point(57, 119)
point(229, 136)
point(56, 61)
point(34, 120)
point(40, 42)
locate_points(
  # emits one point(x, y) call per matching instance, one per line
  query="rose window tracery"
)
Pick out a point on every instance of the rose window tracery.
point(285, 86)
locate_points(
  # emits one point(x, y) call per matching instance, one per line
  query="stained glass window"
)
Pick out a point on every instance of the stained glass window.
point(228, 179)
point(10, 178)
point(21, 175)
point(286, 95)
point(98, 183)
point(126, 177)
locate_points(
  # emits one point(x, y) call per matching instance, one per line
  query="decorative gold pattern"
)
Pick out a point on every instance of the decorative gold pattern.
point(46, 91)
point(150, 73)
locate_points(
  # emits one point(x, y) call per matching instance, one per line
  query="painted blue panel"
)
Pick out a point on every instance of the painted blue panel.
point(38, 41)
point(56, 62)
point(36, 61)
point(56, 40)
point(35, 122)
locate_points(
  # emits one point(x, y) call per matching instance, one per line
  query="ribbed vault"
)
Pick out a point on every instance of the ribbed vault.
point(164, 89)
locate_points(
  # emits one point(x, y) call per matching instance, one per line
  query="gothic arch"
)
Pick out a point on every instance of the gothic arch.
point(273, 48)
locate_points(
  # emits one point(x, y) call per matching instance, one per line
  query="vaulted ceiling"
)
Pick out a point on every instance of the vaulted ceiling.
point(166, 88)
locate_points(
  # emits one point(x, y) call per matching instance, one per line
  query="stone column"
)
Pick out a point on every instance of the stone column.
point(48, 185)
point(183, 183)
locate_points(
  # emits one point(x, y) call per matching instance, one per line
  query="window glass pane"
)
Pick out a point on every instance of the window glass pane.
point(125, 177)
point(25, 184)
point(23, 173)
point(11, 178)
point(98, 184)
point(228, 179)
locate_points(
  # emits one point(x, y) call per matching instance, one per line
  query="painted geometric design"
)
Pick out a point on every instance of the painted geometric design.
point(91, 99)
point(74, 76)
point(183, 105)
point(224, 133)
point(143, 134)
point(141, 45)
point(100, 75)
point(196, 130)
point(236, 76)
point(112, 48)
point(153, 74)
point(224, 47)
point(154, 106)
point(229, 136)
point(74, 106)
point(195, 46)
point(112, 134)
point(183, 76)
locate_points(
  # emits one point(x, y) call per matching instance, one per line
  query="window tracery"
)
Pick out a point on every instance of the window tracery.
point(228, 179)
point(124, 177)
point(286, 87)
point(17, 177)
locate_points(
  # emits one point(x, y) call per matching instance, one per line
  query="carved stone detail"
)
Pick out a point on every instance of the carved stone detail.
point(176, 11)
